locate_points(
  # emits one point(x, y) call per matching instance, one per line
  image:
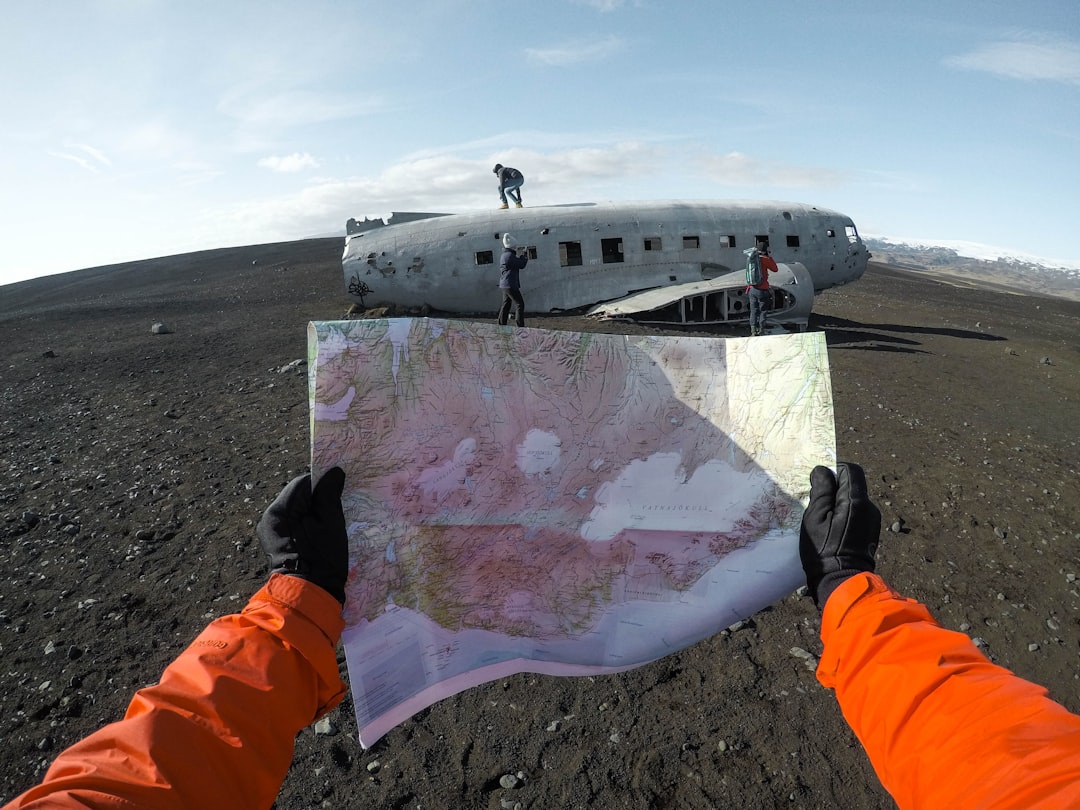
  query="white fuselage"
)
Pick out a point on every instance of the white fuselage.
point(587, 253)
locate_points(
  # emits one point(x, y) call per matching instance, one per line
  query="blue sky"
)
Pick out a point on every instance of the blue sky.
point(141, 128)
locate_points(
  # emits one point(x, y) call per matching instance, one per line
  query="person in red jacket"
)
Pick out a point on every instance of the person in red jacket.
point(943, 727)
point(759, 295)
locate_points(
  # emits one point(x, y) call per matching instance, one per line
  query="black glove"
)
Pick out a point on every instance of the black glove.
point(303, 532)
point(840, 528)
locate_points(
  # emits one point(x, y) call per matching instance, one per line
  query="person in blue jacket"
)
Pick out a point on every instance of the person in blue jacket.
point(512, 262)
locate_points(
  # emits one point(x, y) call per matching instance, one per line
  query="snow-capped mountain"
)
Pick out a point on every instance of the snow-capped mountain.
point(980, 265)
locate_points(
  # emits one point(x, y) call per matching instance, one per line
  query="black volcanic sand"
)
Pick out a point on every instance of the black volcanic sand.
point(147, 459)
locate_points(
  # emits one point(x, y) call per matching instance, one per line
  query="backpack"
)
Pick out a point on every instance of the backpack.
point(753, 268)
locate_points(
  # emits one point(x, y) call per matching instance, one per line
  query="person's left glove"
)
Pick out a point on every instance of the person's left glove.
point(303, 532)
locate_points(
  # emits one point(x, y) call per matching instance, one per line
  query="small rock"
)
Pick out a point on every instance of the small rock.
point(1000, 532)
point(326, 726)
point(1033, 647)
point(722, 746)
point(374, 766)
point(31, 519)
point(1046, 361)
point(896, 527)
point(295, 365)
point(509, 781)
point(48, 353)
point(160, 329)
point(808, 658)
point(553, 725)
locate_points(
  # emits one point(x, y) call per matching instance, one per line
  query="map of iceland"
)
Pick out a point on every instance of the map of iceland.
point(556, 502)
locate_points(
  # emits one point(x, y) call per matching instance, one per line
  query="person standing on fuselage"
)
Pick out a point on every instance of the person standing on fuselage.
point(510, 265)
point(510, 182)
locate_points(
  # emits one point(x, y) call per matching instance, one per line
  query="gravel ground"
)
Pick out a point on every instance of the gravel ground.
point(135, 466)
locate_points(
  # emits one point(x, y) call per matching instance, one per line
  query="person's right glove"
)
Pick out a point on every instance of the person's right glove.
point(303, 532)
point(840, 530)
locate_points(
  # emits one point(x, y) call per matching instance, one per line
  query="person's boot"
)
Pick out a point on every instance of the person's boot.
point(504, 205)
point(517, 205)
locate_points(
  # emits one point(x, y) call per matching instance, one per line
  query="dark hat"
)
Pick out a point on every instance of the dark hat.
point(497, 167)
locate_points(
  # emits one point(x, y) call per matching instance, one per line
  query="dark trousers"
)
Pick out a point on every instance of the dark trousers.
point(512, 298)
point(760, 304)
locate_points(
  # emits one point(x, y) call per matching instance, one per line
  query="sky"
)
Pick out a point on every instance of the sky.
point(141, 128)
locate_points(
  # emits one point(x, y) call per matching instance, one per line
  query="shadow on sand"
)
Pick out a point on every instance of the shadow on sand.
point(888, 337)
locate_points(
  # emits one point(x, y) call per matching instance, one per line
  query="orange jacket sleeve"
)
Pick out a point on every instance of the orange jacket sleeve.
point(218, 729)
point(943, 726)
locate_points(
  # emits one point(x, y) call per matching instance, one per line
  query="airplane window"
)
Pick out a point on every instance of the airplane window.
point(485, 257)
point(569, 254)
point(793, 240)
point(691, 242)
point(611, 250)
point(727, 241)
point(652, 243)
point(852, 234)
point(830, 233)
point(531, 251)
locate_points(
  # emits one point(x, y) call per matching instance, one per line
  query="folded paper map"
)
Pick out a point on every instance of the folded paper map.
point(528, 500)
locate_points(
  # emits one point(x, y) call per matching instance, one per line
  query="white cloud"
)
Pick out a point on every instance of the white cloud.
point(450, 183)
point(262, 107)
point(89, 157)
point(738, 169)
point(156, 140)
point(96, 154)
point(1031, 58)
point(297, 161)
point(574, 53)
point(195, 172)
point(602, 5)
